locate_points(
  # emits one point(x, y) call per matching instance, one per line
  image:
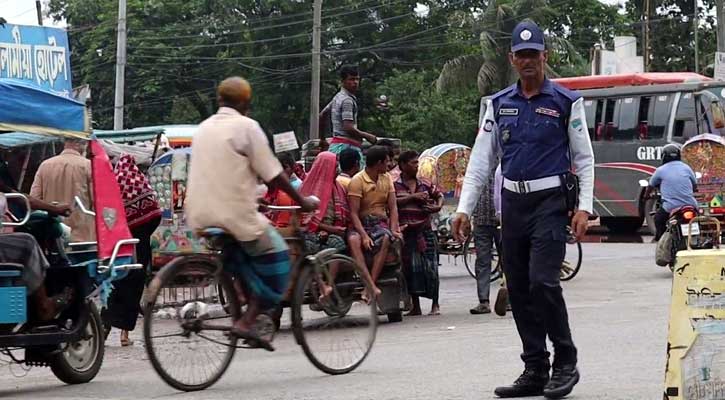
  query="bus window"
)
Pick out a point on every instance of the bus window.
point(685, 117)
point(607, 129)
point(590, 110)
point(643, 117)
point(627, 118)
point(659, 115)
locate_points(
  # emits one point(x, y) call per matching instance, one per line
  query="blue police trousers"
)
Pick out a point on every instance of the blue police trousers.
point(534, 244)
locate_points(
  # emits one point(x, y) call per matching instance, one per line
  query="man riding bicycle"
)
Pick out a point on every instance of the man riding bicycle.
point(229, 152)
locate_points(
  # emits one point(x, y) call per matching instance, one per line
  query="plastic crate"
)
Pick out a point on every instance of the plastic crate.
point(13, 304)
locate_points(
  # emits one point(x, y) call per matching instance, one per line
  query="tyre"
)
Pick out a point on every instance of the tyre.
point(572, 261)
point(181, 298)
point(334, 342)
point(622, 224)
point(468, 252)
point(79, 362)
point(651, 206)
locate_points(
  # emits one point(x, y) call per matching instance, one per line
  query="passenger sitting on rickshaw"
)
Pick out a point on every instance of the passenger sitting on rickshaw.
point(349, 166)
point(289, 166)
point(327, 228)
point(23, 249)
point(229, 152)
point(374, 212)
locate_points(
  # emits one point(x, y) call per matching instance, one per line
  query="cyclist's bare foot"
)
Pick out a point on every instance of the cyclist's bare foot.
point(325, 292)
point(366, 296)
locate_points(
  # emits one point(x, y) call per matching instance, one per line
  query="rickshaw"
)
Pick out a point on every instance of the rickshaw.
point(71, 344)
point(191, 302)
point(445, 165)
point(705, 154)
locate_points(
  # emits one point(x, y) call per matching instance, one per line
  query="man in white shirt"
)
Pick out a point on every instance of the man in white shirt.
point(229, 152)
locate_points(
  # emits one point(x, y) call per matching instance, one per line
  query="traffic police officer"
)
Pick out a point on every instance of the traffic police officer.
point(539, 129)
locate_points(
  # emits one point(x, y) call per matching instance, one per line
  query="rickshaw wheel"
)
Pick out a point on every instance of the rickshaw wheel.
point(79, 362)
point(183, 294)
point(336, 335)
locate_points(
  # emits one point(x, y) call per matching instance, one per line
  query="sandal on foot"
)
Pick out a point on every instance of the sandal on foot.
point(252, 338)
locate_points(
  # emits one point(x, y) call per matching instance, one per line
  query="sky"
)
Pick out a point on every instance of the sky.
point(22, 12)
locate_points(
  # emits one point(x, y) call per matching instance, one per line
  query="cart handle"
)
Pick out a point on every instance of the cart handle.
point(26, 201)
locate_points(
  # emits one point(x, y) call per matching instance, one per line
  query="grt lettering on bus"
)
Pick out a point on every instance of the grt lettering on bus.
point(649, 153)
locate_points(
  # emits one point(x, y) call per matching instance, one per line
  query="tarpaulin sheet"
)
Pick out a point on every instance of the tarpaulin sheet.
point(27, 109)
point(20, 139)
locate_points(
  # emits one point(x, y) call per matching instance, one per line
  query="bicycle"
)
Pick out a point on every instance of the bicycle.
point(569, 268)
point(192, 350)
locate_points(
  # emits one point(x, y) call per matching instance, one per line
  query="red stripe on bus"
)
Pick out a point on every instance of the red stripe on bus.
point(647, 169)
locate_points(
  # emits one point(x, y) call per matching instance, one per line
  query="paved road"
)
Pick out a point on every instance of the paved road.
point(618, 308)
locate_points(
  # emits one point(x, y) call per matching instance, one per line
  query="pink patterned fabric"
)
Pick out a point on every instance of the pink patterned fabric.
point(139, 199)
point(321, 182)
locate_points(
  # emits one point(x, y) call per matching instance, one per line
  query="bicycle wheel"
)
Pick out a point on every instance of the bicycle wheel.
point(337, 332)
point(182, 296)
point(572, 260)
point(468, 252)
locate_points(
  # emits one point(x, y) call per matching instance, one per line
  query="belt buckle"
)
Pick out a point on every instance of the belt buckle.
point(522, 186)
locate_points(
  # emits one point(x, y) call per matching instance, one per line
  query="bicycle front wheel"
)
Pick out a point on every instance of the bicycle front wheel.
point(183, 297)
point(336, 330)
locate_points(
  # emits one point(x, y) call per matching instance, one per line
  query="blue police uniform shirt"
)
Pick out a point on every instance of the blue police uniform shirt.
point(533, 132)
point(676, 181)
point(545, 135)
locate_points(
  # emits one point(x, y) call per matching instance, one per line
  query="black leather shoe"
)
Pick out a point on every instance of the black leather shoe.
point(530, 383)
point(562, 381)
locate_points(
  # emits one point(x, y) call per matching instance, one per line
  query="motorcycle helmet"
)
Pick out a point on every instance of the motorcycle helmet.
point(671, 152)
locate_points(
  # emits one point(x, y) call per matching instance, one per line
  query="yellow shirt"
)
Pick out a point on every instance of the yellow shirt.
point(344, 181)
point(229, 151)
point(60, 179)
point(373, 195)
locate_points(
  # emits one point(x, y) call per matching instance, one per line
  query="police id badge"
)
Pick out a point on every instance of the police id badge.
point(548, 111)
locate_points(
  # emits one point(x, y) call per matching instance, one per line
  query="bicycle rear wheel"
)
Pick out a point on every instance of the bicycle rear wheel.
point(337, 332)
point(182, 296)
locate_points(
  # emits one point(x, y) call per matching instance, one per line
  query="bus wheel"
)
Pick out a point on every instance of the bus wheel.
point(651, 206)
point(622, 224)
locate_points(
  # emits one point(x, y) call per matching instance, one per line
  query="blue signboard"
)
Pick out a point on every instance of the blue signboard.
point(36, 56)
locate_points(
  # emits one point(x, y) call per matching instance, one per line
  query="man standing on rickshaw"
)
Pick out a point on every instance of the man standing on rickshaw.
point(343, 111)
point(229, 152)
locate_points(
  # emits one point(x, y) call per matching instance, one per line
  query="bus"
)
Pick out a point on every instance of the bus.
point(630, 119)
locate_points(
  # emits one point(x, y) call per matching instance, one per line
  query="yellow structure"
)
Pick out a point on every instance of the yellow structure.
point(696, 341)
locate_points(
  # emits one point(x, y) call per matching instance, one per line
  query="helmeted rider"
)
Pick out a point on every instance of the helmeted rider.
point(676, 182)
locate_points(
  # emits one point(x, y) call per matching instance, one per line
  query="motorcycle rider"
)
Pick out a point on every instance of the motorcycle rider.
point(676, 182)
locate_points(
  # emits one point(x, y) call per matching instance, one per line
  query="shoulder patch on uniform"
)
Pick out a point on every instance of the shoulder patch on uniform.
point(508, 111)
point(548, 111)
point(577, 124)
point(488, 126)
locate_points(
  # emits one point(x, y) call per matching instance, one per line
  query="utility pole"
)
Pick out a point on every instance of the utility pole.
point(120, 66)
point(315, 92)
point(696, 21)
point(645, 35)
point(39, 10)
point(720, 16)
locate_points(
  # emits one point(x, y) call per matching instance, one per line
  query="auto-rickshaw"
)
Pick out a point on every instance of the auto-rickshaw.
point(72, 343)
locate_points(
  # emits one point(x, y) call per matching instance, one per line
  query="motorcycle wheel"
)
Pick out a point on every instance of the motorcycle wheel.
point(79, 362)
